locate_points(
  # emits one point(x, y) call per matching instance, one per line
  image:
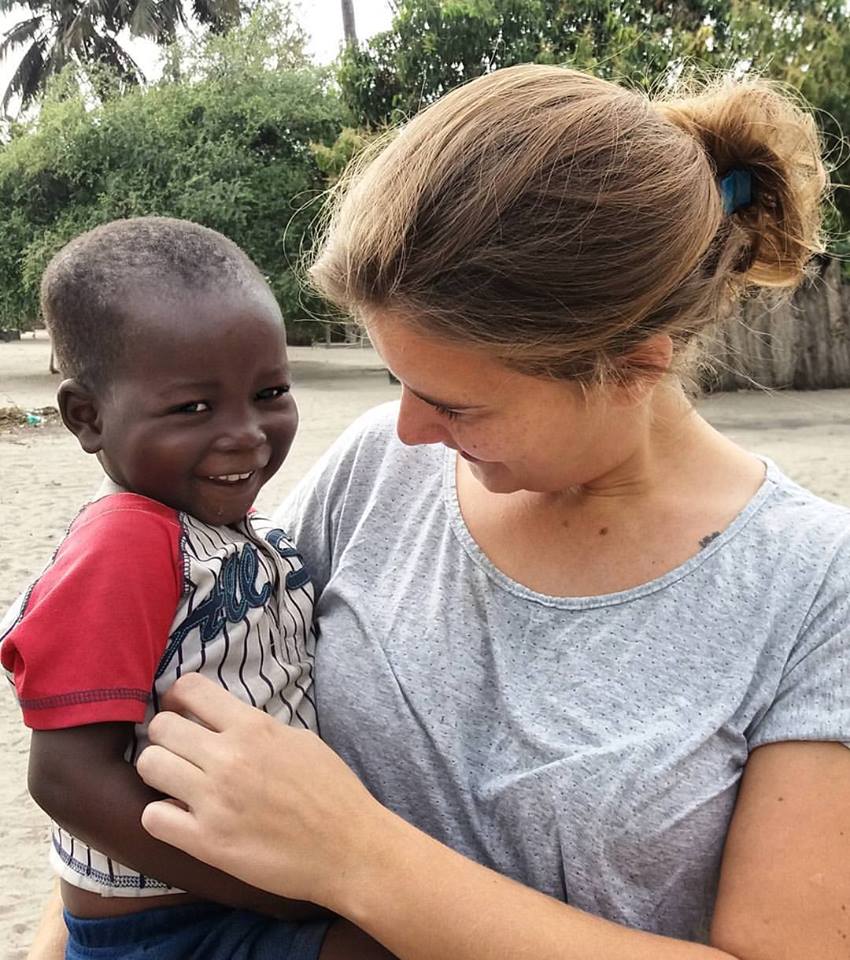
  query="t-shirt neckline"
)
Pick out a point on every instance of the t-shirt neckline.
point(450, 499)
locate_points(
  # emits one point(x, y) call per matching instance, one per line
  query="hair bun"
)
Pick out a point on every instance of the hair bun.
point(760, 127)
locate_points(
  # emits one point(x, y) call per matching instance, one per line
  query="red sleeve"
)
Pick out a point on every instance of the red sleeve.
point(96, 623)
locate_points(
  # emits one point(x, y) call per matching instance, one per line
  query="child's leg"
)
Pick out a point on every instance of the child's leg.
point(344, 941)
point(208, 932)
point(166, 933)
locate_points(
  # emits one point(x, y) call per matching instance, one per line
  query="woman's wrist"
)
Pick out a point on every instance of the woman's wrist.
point(370, 862)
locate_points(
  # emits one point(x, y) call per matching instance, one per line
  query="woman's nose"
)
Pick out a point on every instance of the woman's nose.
point(418, 422)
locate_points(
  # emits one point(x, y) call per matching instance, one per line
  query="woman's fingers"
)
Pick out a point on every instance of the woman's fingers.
point(183, 737)
point(171, 774)
point(263, 800)
point(170, 823)
point(207, 701)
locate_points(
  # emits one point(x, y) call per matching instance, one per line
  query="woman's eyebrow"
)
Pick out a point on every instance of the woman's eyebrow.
point(444, 403)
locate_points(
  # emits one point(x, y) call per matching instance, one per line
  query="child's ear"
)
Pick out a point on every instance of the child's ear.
point(80, 412)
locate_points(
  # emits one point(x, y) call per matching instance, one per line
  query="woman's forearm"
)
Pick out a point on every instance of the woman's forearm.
point(276, 807)
point(423, 900)
point(51, 935)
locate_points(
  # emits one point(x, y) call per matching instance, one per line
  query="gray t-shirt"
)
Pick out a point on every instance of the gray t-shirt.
point(588, 747)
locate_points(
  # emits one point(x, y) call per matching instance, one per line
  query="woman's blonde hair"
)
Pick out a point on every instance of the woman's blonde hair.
point(560, 220)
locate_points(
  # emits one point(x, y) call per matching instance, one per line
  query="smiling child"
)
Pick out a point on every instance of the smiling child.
point(178, 382)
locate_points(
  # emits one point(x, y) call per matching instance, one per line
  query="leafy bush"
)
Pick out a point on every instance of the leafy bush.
point(226, 139)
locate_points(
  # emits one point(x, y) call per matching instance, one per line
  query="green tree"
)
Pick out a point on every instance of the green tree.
point(56, 33)
point(806, 45)
point(434, 45)
point(228, 143)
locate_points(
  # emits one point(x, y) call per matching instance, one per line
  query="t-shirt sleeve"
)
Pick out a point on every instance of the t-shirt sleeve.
point(314, 515)
point(94, 626)
point(304, 515)
point(812, 701)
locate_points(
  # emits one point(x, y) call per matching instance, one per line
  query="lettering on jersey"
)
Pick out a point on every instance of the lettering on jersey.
point(233, 595)
point(295, 578)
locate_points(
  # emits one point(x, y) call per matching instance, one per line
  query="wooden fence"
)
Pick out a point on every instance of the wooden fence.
point(802, 343)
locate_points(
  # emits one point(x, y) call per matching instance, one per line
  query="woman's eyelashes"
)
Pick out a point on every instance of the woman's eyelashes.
point(446, 411)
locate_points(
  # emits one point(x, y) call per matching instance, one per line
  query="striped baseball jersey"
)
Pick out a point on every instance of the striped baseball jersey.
point(136, 595)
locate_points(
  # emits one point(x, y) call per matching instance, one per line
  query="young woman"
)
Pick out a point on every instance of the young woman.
point(583, 673)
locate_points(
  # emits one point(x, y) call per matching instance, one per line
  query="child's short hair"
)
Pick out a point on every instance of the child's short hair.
point(85, 284)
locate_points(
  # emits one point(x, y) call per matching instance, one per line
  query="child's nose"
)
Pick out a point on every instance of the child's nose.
point(241, 435)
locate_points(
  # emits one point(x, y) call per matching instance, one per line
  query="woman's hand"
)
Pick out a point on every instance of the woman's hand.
point(269, 804)
point(279, 809)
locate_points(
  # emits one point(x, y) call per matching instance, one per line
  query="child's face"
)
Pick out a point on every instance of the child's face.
point(199, 415)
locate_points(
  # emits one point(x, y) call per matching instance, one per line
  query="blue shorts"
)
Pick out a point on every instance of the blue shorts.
point(198, 931)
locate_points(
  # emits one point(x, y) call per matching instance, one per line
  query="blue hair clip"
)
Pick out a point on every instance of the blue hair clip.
point(736, 190)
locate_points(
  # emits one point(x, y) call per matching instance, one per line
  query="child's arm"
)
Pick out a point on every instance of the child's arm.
point(80, 778)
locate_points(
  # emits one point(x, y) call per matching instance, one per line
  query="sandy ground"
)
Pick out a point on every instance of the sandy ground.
point(44, 478)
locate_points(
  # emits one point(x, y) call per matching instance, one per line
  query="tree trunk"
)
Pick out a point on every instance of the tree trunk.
point(348, 28)
point(350, 32)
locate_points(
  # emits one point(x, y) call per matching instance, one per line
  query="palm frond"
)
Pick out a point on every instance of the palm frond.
point(172, 14)
point(11, 6)
point(145, 19)
point(56, 32)
point(21, 33)
point(122, 10)
point(107, 13)
point(111, 53)
point(58, 57)
point(77, 35)
point(217, 14)
point(28, 78)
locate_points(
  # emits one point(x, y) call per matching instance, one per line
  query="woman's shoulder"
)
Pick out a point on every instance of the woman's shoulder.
point(797, 542)
point(795, 514)
point(802, 543)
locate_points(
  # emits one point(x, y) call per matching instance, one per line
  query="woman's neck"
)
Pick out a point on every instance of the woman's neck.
point(680, 485)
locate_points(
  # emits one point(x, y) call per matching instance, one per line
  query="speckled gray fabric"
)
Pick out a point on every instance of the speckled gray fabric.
point(589, 747)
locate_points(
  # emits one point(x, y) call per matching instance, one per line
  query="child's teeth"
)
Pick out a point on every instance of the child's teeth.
point(232, 477)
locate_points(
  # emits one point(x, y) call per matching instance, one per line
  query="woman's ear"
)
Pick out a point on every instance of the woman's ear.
point(80, 412)
point(645, 366)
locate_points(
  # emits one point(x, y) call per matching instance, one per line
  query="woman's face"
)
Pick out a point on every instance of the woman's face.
point(516, 432)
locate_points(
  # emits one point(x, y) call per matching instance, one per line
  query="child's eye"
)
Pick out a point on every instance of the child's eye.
point(196, 406)
point(273, 393)
point(447, 412)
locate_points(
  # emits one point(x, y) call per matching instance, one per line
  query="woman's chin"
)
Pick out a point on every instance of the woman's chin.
point(494, 477)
